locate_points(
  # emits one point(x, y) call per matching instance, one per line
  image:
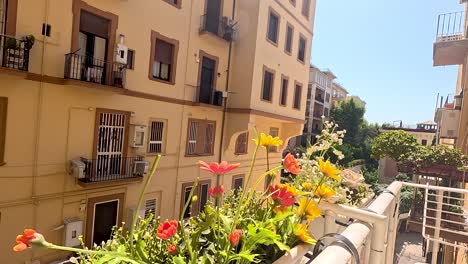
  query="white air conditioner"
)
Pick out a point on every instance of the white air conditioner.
point(73, 230)
point(77, 169)
point(140, 167)
point(122, 54)
point(139, 135)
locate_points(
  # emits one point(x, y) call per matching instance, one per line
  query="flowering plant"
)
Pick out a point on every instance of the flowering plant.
point(241, 226)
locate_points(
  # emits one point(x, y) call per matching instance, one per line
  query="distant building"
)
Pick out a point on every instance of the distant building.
point(339, 93)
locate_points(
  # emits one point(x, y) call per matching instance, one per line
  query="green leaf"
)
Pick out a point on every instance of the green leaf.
point(178, 260)
point(104, 259)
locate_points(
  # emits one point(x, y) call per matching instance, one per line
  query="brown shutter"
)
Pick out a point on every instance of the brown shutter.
point(164, 52)
point(201, 138)
point(3, 120)
point(94, 24)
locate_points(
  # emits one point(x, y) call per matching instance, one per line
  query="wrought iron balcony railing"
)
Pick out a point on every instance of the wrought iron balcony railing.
point(14, 53)
point(222, 27)
point(112, 167)
point(451, 26)
point(90, 69)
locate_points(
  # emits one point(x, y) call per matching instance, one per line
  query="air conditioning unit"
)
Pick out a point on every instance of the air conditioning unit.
point(139, 135)
point(73, 230)
point(77, 169)
point(140, 168)
point(229, 31)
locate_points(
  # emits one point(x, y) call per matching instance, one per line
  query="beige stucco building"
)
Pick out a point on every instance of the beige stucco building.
point(339, 93)
point(108, 85)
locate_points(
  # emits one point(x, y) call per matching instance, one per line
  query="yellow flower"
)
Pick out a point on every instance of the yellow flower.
point(329, 169)
point(309, 208)
point(268, 141)
point(291, 189)
point(323, 191)
point(301, 232)
point(280, 209)
point(307, 185)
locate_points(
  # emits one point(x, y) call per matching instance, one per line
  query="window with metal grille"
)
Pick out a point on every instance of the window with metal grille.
point(150, 207)
point(273, 26)
point(242, 143)
point(200, 137)
point(301, 51)
point(289, 38)
point(267, 91)
point(156, 136)
point(284, 91)
point(274, 132)
point(297, 96)
point(201, 190)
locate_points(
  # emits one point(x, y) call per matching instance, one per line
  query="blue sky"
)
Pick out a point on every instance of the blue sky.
point(382, 51)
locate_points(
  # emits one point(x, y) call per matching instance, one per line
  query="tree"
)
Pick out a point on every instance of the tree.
point(396, 144)
point(350, 116)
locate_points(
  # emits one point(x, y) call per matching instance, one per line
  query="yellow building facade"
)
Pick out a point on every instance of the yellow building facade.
point(108, 85)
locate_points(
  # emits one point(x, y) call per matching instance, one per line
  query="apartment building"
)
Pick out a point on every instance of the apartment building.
point(108, 85)
point(319, 102)
point(447, 117)
point(339, 93)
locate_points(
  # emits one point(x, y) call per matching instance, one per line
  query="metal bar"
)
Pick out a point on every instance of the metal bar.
point(435, 247)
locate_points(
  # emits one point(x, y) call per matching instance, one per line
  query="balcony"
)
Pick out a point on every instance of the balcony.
point(92, 70)
point(319, 98)
point(14, 53)
point(451, 43)
point(109, 168)
point(209, 97)
point(222, 27)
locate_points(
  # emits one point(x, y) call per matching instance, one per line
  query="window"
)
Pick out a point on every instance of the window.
point(289, 39)
point(150, 208)
point(200, 137)
point(327, 98)
point(201, 191)
point(297, 96)
point(268, 79)
point(302, 48)
point(242, 143)
point(306, 8)
point(131, 59)
point(284, 91)
point(273, 27)
point(237, 183)
point(163, 58)
point(176, 3)
point(326, 112)
point(293, 2)
point(157, 136)
point(424, 142)
point(274, 132)
point(3, 120)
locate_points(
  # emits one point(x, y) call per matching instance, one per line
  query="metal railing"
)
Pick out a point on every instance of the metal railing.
point(317, 115)
point(14, 53)
point(90, 69)
point(222, 27)
point(320, 99)
point(373, 229)
point(451, 26)
point(111, 168)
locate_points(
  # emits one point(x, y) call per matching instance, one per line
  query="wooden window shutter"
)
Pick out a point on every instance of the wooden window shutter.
point(242, 143)
point(150, 207)
point(163, 52)
point(209, 132)
point(192, 137)
point(3, 123)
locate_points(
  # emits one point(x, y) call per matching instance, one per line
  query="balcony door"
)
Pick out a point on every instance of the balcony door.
point(213, 14)
point(111, 143)
point(207, 80)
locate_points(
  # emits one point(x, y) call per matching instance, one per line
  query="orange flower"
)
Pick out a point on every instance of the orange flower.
point(172, 249)
point(216, 191)
point(24, 241)
point(291, 165)
point(235, 236)
point(167, 229)
point(218, 168)
point(282, 196)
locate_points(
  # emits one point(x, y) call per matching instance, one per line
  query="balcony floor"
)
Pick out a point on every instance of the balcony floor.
point(408, 248)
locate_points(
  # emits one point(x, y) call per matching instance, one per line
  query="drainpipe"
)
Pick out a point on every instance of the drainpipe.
point(225, 99)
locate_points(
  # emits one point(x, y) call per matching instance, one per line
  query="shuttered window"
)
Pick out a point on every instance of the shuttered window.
point(273, 27)
point(306, 8)
point(242, 143)
point(267, 89)
point(200, 137)
point(302, 48)
point(297, 96)
point(3, 120)
point(284, 91)
point(150, 207)
point(156, 141)
point(201, 191)
point(289, 38)
point(274, 132)
point(163, 60)
point(237, 183)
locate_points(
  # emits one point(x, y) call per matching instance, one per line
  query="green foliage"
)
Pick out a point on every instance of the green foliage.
point(349, 116)
point(396, 144)
point(426, 156)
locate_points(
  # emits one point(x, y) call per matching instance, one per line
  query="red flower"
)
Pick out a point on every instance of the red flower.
point(235, 236)
point(172, 249)
point(291, 165)
point(23, 241)
point(167, 229)
point(218, 168)
point(282, 196)
point(215, 191)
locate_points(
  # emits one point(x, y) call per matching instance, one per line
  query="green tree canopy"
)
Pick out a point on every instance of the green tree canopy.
point(350, 116)
point(396, 144)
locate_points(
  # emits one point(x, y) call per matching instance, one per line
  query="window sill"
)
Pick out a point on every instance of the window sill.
point(272, 42)
point(161, 81)
point(198, 155)
point(178, 6)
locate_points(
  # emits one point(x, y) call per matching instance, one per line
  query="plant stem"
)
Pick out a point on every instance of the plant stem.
point(140, 200)
point(90, 252)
